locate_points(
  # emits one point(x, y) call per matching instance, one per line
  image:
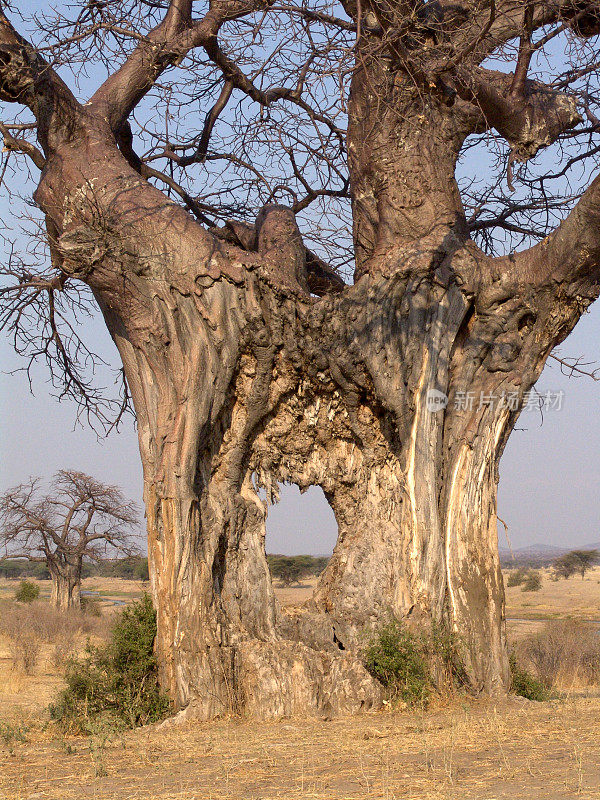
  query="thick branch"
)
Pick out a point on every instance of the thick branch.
point(165, 46)
point(26, 78)
point(571, 254)
point(530, 120)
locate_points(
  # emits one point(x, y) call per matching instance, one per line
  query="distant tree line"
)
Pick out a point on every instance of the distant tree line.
point(131, 567)
point(291, 569)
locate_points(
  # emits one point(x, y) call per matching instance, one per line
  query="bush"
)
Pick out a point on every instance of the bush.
point(25, 651)
point(564, 652)
point(524, 684)
point(395, 656)
point(27, 592)
point(91, 606)
point(516, 578)
point(532, 583)
point(10, 733)
point(442, 651)
point(117, 683)
point(62, 651)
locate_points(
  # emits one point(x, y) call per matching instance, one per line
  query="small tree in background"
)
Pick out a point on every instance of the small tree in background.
point(576, 562)
point(291, 569)
point(79, 517)
point(564, 567)
point(584, 560)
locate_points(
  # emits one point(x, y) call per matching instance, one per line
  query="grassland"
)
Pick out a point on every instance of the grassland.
point(457, 748)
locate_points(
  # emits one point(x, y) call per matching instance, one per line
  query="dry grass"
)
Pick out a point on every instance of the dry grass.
point(557, 599)
point(564, 655)
point(35, 642)
point(477, 750)
point(514, 750)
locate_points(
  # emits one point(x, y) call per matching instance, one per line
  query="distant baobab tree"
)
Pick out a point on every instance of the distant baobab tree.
point(78, 518)
point(263, 200)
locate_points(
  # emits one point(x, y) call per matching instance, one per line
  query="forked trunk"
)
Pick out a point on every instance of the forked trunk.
point(66, 586)
point(241, 379)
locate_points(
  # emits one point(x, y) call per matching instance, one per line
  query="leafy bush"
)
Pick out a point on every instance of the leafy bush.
point(27, 592)
point(442, 651)
point(395, 656)
point(524, 684)
point(532, 583)
point(117, 683)
point(516, 578)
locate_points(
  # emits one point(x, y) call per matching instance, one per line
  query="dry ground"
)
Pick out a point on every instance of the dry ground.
point(513, 749)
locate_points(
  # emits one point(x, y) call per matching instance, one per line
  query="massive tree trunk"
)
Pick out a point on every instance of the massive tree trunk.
point(66, 585)
point(242, 379)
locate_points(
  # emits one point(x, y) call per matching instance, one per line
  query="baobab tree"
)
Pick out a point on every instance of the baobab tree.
point(212, 174)
point(78, 518)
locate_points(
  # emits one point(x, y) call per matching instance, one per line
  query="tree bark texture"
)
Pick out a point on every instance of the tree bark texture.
point(66, 585)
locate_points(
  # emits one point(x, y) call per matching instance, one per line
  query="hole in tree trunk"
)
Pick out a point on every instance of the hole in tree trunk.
point(301, 532)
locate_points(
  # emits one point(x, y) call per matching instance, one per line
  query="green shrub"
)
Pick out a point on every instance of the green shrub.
point(27, 592)
point(91, 606)
point(524, 684)
point(10, 734)
point(516, 578)
point(442, 650)
point(532, 583)
point(395, 656)
point(116, 684)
